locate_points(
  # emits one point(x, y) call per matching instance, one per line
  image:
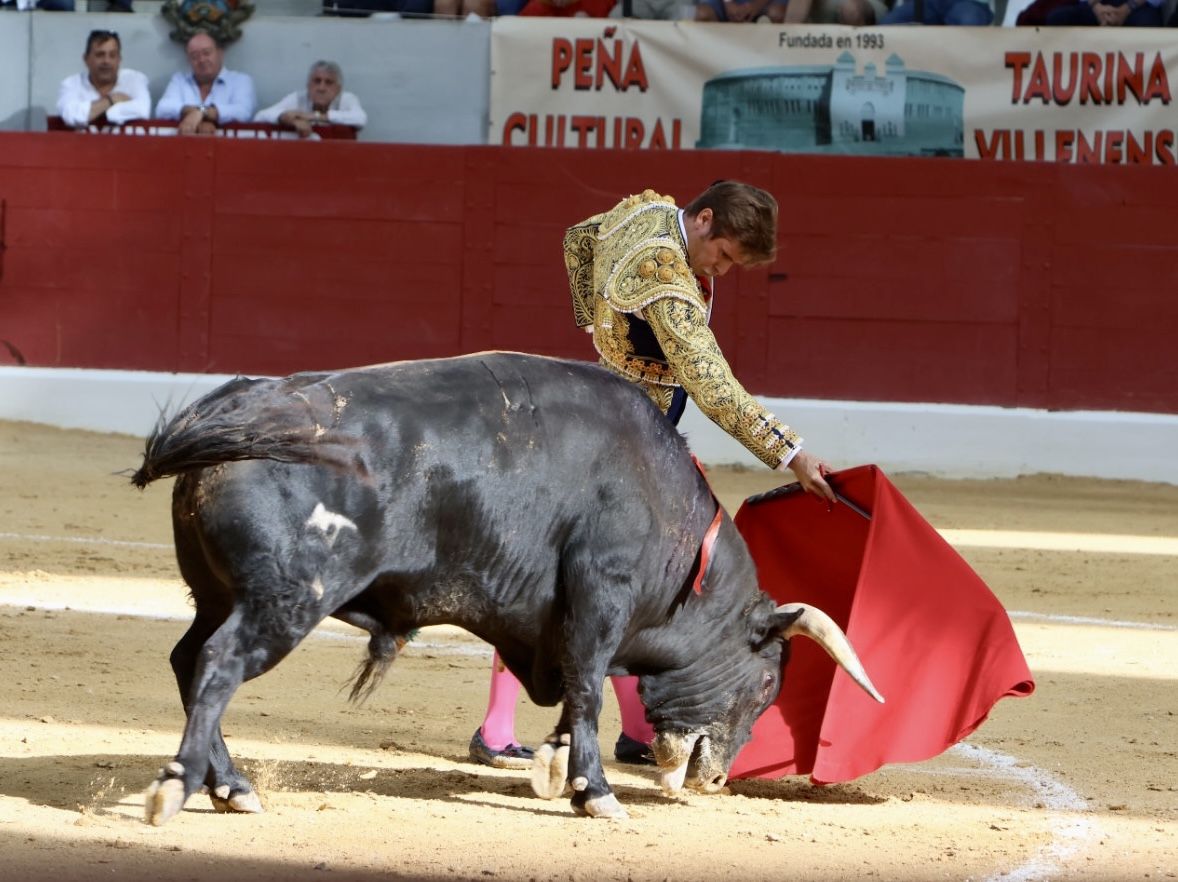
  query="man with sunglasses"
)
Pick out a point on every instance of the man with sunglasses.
point(106, 91)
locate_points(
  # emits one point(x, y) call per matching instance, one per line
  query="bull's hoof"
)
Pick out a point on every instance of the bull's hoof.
point(550, 770)
point(601, 807)
point(165, 797)
point(671, 780)
point(243, 801)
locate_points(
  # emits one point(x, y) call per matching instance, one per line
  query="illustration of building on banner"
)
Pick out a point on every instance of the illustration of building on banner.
point(834, 109)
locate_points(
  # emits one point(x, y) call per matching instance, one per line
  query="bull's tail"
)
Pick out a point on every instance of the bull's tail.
point(246, 419)
point(383, 649)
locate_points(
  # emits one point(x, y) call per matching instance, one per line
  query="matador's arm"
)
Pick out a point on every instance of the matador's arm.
point(698, 364)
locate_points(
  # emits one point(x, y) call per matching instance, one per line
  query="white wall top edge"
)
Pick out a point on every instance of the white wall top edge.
point(947, 440)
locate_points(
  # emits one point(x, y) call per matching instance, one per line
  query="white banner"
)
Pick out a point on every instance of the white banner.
point(1064, 94)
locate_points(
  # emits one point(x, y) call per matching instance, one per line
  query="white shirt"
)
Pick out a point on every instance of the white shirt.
point(77, 93)
point(345, 110)
point(232, 94)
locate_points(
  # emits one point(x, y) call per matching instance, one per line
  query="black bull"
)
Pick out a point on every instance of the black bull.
point(545, 506)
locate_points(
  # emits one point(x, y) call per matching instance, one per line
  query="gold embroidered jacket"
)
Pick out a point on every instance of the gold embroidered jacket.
point(632, 286)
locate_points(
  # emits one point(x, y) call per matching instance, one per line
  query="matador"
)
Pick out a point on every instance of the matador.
point(641, 275)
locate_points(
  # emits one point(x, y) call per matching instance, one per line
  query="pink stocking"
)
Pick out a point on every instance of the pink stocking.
point(634, 722)
point(499, 724)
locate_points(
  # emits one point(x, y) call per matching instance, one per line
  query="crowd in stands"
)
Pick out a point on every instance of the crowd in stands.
point(202, 98)
point(1074, 13)
point(67, 5)
point(1114, 13)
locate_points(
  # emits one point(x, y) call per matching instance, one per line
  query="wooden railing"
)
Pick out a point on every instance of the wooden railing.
point(168, 127)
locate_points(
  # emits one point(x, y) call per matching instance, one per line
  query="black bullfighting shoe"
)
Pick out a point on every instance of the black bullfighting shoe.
point(632, 751)
point(514, 756)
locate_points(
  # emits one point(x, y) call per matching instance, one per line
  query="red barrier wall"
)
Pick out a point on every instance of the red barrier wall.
point(898, 279)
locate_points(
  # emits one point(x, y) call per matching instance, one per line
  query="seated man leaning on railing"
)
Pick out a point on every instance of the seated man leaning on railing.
point(209, 95)
point(323, 101)
point(106, 92)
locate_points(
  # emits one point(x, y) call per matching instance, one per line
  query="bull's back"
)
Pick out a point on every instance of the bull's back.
point(463, 483)
point(504, 410)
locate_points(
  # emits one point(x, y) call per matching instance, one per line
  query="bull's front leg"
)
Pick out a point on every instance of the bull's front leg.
point(592, 795)
point(571, 755)
point(597, 588)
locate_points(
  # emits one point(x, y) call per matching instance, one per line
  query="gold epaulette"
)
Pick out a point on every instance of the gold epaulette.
point(647, 200)
point(643, 275)
point(641, 250)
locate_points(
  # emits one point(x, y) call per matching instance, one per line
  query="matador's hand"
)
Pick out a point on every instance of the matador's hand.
point(810, 472)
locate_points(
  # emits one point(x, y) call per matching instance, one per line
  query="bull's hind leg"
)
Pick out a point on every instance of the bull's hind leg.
point(229, 790)
point(248, 643)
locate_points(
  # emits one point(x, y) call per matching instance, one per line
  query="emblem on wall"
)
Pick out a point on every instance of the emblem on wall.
point(221, 19)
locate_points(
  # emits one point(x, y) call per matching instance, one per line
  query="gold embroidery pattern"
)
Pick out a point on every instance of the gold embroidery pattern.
point(620, 261)
point(614, 347)
point(660, 395)
point(622, 213)
point(641, 256)
point(632, 260)
point(578, 260)
point(696, 362)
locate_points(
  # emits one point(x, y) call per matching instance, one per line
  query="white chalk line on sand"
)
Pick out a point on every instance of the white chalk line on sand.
point(1072, 825)
point(1125, 543)
point(40, 605)
point(87, 540)
point(1037, 540)
point(1055, 619)
point(1025, 540)
point(472, 646)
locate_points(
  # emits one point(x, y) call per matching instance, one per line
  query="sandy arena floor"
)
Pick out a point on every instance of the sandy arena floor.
point(1079, 781)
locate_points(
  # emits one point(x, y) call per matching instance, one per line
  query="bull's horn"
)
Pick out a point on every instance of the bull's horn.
point(821, 628)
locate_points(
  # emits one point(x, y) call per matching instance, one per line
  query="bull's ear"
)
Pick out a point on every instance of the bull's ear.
point(774, 627)
point(783, 617)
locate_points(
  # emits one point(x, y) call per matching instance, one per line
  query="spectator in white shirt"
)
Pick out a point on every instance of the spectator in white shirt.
point(209, 95)
point(323, 101)
point(106, 90)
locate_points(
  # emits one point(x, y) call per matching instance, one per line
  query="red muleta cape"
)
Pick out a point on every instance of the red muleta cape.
point(932, 637)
